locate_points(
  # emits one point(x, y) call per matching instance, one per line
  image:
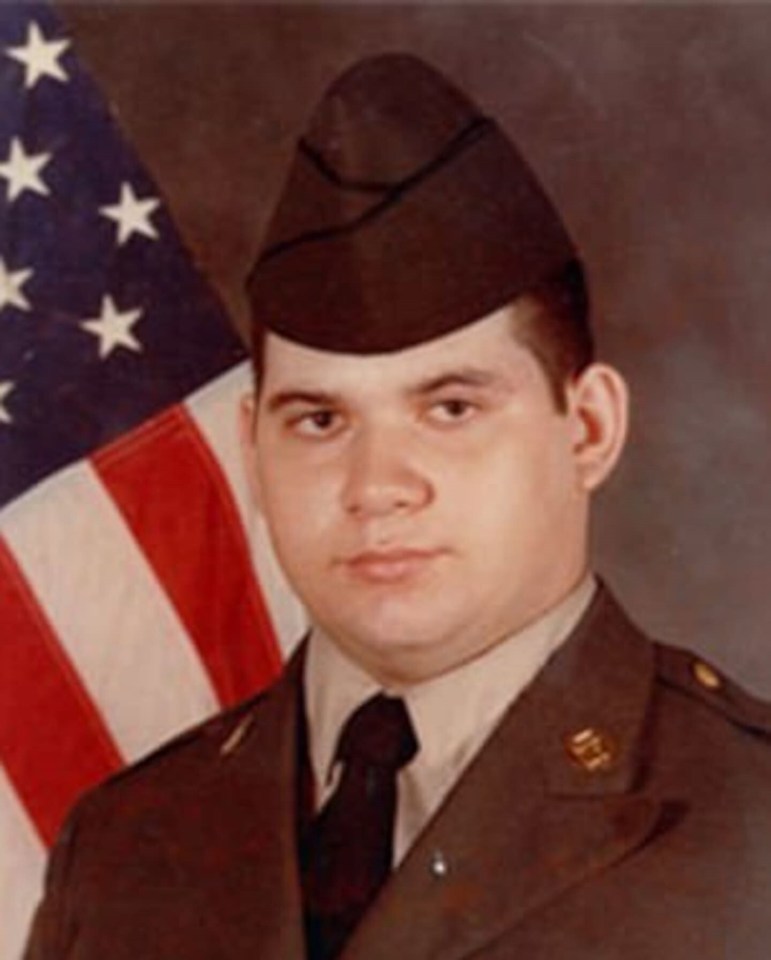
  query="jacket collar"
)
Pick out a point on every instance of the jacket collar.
point(591, 703)
point(250, 900)
point(555, 795)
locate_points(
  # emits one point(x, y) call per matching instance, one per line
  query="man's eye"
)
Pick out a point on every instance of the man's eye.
point(316, 423)
point(452, 410)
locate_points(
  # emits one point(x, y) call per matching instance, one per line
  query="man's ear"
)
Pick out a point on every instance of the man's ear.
point(247, 434)
point(598, 402)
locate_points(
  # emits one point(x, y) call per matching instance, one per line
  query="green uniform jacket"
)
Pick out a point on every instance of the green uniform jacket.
point(622, 809)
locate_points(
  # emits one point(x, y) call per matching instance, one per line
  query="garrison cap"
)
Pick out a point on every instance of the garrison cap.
point(407, 214)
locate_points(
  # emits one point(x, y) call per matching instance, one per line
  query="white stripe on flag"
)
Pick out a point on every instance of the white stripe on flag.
point(108, 610)
point(22, 864)
point(215, 411)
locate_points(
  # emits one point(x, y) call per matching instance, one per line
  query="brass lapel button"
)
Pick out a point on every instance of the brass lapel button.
point(706, 676)
point(591, 749)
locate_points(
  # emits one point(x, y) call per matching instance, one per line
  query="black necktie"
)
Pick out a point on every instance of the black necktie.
point(349, 850)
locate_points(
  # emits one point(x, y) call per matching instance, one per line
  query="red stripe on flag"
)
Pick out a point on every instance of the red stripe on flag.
point(176, 500)
point(53, 742)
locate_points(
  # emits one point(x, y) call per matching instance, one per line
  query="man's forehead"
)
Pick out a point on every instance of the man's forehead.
point(474, 353)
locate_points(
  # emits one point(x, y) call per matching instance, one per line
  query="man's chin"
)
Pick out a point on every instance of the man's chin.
point(397, 652)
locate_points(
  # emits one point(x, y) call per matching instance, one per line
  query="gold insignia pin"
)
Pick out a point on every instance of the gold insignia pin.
point(591, 749)
point(235, 737)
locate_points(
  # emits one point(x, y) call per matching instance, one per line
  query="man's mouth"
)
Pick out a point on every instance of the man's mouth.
point(392, 564)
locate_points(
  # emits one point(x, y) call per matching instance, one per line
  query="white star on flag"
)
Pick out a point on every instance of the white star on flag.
point(6, 388)
point(40, 57)
point(113, 328)
point(22, 171)
point(132, 214)
point(11, 282)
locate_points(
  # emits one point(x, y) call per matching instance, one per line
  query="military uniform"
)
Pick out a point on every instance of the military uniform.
point(620, 809)
point(621, 806)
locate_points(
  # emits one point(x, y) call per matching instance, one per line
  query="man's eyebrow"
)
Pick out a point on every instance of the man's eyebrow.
point(463, 377)
point(474, 377)
point(316, 398)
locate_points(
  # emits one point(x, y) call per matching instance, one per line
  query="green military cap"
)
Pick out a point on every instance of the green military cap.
point(407, 214)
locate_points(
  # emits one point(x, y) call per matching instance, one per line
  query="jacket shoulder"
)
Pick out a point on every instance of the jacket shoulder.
point(184, 758)
point(697, 678)
point(193, 759)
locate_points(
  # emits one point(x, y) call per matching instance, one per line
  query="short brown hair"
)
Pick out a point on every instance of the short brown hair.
point(558, 331)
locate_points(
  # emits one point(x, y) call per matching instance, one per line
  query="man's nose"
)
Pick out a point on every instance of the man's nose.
point(383, 476)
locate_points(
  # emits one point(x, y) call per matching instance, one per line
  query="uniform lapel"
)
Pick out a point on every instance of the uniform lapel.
point(248, 888)
point(551, 799)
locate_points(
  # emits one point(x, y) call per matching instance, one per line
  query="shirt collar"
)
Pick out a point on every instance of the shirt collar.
point(452, 713)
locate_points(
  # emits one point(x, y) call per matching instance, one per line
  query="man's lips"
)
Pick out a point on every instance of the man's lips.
point(391, 564)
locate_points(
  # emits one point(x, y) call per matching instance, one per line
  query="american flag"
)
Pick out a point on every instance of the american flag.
point(129, 604)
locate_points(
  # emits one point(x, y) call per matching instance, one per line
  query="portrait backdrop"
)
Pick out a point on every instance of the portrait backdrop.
point(649, 127)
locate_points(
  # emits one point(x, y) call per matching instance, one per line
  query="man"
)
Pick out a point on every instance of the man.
point(475, 753)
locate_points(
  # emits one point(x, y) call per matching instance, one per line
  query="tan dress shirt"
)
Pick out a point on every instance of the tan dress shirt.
point(453, 714)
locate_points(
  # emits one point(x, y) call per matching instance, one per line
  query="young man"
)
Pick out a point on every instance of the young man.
point(474, 753)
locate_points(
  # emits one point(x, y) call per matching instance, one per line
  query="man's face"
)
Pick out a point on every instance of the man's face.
point(424, 504)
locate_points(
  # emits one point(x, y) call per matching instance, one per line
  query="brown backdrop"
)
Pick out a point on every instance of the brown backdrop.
point(651, 127)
